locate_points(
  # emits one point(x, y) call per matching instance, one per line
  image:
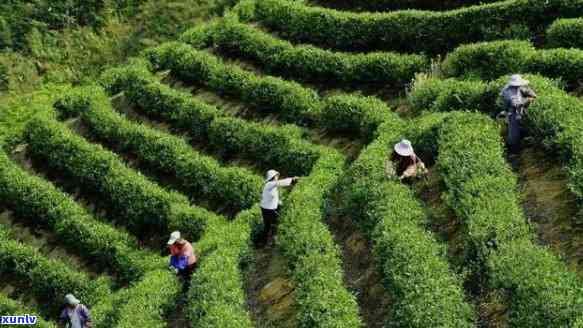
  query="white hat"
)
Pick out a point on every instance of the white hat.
point(270, 175)
point(404, 148)
point(174, 237)
point(517, 81)
point(71, 299)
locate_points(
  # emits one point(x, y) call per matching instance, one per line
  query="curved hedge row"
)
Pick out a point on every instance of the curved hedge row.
point(426, 292)
point(307, 62)
point(268, 146)
point(311, 253)
point(565, 33)
point(386, 5)
point(238, 188)
point(48, 279)
point(408, 30)
point(481, 190)
point(143, 205)
point(295, 103)
point(490, 60)
point(555, 118)
point(148, 301)
point(217, 296)
point(42, 203)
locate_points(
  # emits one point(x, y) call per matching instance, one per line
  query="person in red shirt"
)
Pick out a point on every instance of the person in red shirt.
point(182, 258)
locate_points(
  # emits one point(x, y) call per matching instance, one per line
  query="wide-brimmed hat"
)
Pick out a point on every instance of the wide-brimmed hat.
point(174, 237)
point(517, 81)
point(71, 299)
point(404, 148)
point(271, 174)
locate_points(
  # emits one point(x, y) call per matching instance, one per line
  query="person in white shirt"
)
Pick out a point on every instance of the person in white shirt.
point(270, 203)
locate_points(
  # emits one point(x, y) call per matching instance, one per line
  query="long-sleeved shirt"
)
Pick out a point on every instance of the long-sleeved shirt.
point(270, 195)
point(78, 317)
point(515, 97)
point(180, 257)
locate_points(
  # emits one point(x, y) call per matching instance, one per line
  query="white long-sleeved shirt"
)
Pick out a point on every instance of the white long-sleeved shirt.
point(270, 195)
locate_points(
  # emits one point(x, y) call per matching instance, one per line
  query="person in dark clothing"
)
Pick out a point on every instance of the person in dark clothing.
point(517, 95)
point(403, 162)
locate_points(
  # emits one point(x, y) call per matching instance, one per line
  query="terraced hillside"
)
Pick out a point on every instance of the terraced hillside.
point(180, 138)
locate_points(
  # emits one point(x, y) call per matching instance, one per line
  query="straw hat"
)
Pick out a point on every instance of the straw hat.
point(71, 299)
point(174, 237)
point(270, 175)
point(517, 81)
point(404, 148)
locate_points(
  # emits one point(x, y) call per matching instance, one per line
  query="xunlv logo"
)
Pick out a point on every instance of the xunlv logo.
point(18, 319)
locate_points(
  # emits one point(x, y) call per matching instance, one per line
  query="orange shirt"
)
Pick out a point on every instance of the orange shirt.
point(185, 251)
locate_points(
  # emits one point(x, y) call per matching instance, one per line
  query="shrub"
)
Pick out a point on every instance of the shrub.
point(412, 263)
point(144, 206)
point(49, 279)
point(266, 145)
point(307, 62)
point(295, 103)
point(543, 291)
point(200, 175)
point(4, 80)
point(490, 60)
point(11, 307)
point(406, 31)
point(41, 203)
point(311, 253)
point(148, 301)
point(565, 33)
point(217, 297)
point(386, 5)
point(555, 118)
point(481, 188)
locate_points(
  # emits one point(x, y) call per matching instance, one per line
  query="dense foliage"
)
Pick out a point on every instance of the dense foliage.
point(305, 62)
point(145, 207)
point(43, 204)
point(490, 60)
point(565, 33)
point(412, 262)
point(408, 31)
point(198, 174)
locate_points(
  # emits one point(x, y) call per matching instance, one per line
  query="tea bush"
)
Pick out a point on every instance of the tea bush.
point(217, 297)
point(307, 62)
point(266, 145)
point(311, 253)
point(413, 264)
point(490, 60)
point(386, 5)
point(294, 102)
point(543, 292)
point(11, 307)
point(408, 30)
point(143, 206)
point(43, 204)
point(49, 279)
point(149, 301)
point(555, 118)
point(565, 33)
point(481, 188)
point(200, 175)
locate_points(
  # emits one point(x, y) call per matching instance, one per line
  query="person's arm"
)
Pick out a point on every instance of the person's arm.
point(286, 182)
point(84, 311)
